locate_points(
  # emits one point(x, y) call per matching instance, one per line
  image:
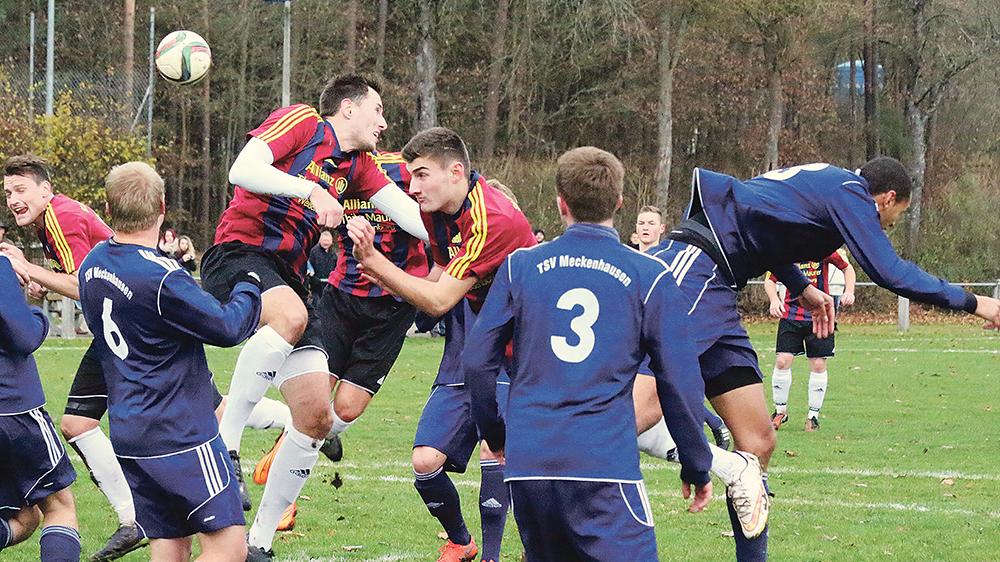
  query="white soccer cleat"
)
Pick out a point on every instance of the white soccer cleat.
point(749, 497)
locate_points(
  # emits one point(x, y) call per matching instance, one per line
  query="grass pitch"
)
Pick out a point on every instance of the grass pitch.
point(904, 465)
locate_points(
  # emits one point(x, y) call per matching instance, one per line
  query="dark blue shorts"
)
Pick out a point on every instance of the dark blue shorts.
point(722, 340)
point(569, 520)
point(184, 493)
point(446, 423)
point(33, 462)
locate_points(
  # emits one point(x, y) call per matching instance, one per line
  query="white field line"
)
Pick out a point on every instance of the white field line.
point(914, 350)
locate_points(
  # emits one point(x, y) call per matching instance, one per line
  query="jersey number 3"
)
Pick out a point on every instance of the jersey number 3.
point(112, 334)
point(582, 325)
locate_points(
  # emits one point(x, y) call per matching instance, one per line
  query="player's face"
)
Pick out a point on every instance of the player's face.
point(432, 184)
point(891, 209)
point(368, 121)
point(325, 240)
point(26, 198)
point(649, 228)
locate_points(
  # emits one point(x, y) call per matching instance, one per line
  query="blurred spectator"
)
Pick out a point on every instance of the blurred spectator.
point(168, 242)
point(322, 261)
point(186, 254)
point(3, 232)
point(633, 241)
point(539, 235)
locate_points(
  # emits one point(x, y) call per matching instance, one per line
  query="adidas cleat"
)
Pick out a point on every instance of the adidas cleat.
point(749, 497)
point(263, 467)
point(258, 554)
point(287, 521)
point(452, 552)
point(124, 540)
point(777, 419)
point(333, 449)
point(244, 493)
point(723, 439)
point(812, 424)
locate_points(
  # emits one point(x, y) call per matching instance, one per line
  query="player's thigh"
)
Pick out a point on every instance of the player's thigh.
point(647, 403)
point(22, 522)
point(59, 509)
point(307, 392)
point(284, 311)
point(88, 396)
point(170, 550)
point(446, 427)
point(745, 412)
point(224, 545)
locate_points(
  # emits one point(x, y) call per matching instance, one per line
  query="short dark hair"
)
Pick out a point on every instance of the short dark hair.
point(590, 181)
point(540, 231)
point(887, 174)
point(439, 144)
point(27, 165)
point(345, 86)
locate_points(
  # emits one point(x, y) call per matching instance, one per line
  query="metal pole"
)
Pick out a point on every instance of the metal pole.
point(31, 66)
point(996, 290)
point(286, 57)
point(68, 330)
point(50, 61)
point(903, 314)
point(152, 81)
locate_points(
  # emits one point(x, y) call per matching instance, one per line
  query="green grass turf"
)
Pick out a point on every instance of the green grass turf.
point(902, 414)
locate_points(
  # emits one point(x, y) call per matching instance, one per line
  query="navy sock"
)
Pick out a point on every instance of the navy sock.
point(713, 421)
point(747, 550)
point(441, 498)
point(59, 544)
point(494, 500)
point(5, 534)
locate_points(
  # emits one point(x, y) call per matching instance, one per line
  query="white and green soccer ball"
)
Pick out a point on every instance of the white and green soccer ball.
point(183, 57)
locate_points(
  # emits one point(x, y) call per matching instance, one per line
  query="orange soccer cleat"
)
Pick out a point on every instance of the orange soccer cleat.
point(264, 464)
point(452, 552)
point(287, 522)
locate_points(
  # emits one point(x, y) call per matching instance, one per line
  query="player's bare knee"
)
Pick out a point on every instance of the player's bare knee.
point(817, 365)
point(59, 507)
point(349, 411)
point(783, 361)
point(426, 460)
point(74, 426)
point(316, 423)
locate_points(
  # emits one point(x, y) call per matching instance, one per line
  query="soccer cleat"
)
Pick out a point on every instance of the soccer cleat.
point(812, 424)
point(287, 522)
point(124, 540)
point(777, 419)
point(750, 497)
point(263, 467)
point(723, 439)
point(258, 554)
point(333, 449)
point(244, 493)
point(452, 552)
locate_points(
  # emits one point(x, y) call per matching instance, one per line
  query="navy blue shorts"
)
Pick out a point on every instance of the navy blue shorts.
point(446, 423)
point(722, 340)
point(33, 462)
point(569, 520)
point(184, 493)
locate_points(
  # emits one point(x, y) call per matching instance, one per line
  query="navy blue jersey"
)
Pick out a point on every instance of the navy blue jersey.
point(800, 214)
point(150, 320)
point(22, 330)
point(582, 311)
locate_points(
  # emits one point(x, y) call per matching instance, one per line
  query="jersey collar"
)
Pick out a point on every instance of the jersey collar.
point(592, 230)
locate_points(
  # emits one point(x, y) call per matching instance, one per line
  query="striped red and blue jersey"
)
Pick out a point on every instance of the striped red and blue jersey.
point(818, 273)
point(70, 231)
point(476, 239)
point(404, 250)
point(304, 145)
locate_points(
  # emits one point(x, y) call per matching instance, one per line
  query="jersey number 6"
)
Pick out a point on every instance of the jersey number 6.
point(581, 325)
point(112, 334)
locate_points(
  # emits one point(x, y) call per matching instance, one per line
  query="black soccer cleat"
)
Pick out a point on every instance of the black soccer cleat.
point(258, 554)
point(333, 449)
point(812, 424)
point(124, 540)
point(244, 493)
point(723, 439)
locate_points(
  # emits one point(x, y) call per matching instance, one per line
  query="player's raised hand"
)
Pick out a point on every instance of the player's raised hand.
point(35, 290)
point(777, 309)
point(362, 233)
point(329, 211)
point(21, 271)
point(702, 496)
point(988, 309)
point(821, 306)
point(12, 252)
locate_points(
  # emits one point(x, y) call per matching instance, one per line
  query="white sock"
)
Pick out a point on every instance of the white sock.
point(269, 413)
point(817, 392)
point(292, 465)
point(726, 464)
point(339, 426)
point(781, 383)
point(99, 455)
point(657, 442)
point(259, 361)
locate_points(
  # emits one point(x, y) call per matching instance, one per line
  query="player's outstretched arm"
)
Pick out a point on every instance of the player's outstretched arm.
point(482, 361)
point(22, 328)
point(63, 283)
point(403, 210)
point(195, 313)
point(667, 339)
point(433, 297)
point(850, 280)
point(776, 308)
point(988, 309)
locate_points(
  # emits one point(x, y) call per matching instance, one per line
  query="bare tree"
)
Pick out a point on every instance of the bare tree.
point(128, 38)
point(426, 69)
point(870, 57)
point(351, 33)
point(383, 18)
point(499, 52)
point(204, 209)
point(673, 24)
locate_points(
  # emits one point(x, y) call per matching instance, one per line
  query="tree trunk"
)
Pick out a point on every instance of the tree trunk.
point(204, 210)
point(665, 113)
point(426, 69)
point(383, 17)
point(351, 34)
point(128, 37)
point(182, 202)
point(496, 66)
point(853, 111)
point(776, 103)
point(870, 65)
point(918, 120)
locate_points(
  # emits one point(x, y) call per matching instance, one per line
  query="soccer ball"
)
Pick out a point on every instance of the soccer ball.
point(183, 57)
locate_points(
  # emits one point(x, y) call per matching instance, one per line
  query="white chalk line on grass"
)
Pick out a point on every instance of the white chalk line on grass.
point(914, 350)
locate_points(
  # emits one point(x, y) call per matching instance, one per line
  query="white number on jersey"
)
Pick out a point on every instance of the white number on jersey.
point(581, 325)
point(785, 173)
point(112, 334)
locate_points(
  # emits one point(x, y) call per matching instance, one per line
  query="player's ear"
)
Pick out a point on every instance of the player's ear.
point(458, 170)
point(621, 200)
point(346, 107)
